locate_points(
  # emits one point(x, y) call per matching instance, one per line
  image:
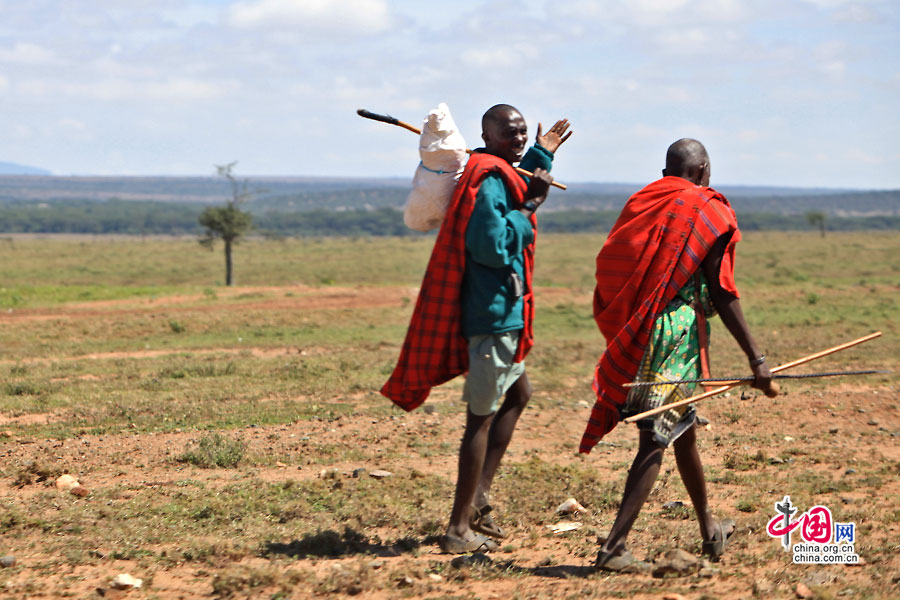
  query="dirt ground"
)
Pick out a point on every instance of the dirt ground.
point(832, 433)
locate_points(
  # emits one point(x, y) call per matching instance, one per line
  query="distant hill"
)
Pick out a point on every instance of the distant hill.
point(8, 168)
point(296, 194)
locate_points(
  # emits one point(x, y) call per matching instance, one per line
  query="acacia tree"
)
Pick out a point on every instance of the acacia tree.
point(227, 222)
point(817, 219)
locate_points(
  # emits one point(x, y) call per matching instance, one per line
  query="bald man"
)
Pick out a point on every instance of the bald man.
point(667, 264)
point(475, 311)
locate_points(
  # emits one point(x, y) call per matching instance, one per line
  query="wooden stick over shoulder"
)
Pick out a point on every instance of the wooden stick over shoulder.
point(367, 114)
point(725, 388)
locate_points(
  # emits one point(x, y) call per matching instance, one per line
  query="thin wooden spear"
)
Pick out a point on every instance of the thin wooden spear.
point(367, 114)
point(725, 388)
point(749, 380)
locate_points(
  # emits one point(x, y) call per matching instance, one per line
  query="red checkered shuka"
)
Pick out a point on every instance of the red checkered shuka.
point(435, 350)
point(663, 234)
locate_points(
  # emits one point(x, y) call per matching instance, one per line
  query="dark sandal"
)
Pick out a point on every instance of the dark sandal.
point(620, 563)
point(715, 547)
point(483, 522)
point(451, 544)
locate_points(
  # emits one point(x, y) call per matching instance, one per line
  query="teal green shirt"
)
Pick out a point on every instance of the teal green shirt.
point(496, 235)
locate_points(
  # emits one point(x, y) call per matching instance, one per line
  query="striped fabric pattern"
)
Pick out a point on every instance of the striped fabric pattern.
point(434, 350)
point(663, 234)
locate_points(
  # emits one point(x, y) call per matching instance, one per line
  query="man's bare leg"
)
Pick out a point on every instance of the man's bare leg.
point(500, 434)
point(471, 463)
point(691, 469)
point(638, 485)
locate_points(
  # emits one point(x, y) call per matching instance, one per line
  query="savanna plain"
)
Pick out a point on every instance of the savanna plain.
point(227, 437)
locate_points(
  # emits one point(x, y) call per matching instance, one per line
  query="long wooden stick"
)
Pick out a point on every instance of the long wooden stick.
point(394, 121)
point(749, 380)
point(725, 388)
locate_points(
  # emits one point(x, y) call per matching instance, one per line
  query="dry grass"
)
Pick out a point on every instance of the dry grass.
point(220, 452)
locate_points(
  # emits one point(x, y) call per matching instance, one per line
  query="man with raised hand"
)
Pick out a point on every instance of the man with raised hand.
point(475, 311)
point(667, 263)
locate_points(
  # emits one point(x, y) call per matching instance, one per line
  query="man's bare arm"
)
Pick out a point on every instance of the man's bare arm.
point(729, 309)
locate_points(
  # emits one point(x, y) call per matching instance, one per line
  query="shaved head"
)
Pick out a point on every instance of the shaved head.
point(504, 132)
point(497, 113)
point(687, 158)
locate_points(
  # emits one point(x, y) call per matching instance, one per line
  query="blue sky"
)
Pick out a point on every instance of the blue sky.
point(787, 92)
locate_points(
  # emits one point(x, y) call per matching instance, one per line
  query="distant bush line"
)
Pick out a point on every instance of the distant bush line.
point(164, 218)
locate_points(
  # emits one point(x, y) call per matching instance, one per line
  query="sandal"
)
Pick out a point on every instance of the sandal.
point(451, 544)
point(725, 530)
point(482, 521)
point(620, 563)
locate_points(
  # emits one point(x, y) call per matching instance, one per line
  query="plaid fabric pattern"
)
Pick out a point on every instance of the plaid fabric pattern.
point(663, 234)
point(434, 350)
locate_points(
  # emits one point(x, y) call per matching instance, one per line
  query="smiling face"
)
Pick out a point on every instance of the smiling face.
point(505, 134)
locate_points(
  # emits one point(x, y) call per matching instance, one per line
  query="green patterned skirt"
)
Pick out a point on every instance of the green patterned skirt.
point(672, 353)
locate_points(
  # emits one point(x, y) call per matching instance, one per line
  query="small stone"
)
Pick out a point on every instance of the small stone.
point(6, 433)
point(406, 581)
point(708, 572)
point(584, 404)
point(675, 504)
point(861, 410)
point(435, 577)
point(80, 491)
point(817, 578)
point(376, 564)
point(788, 438)
point(66, 482)
point(380, 474)
point(849, 471)
point(775, 460)
point(673, 596)
point(124, 581)
point(280, 464)
point(570, 506)
point(429, 409)
point(7, 561)
point(873, 422)
point(564, 526)
point(358, 472)
point(802, 591)
point(676, 561)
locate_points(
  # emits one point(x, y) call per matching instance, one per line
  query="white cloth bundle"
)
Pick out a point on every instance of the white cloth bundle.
point(443, 153)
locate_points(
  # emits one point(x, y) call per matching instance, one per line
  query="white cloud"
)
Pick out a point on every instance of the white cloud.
point(499, 57)
point(834, 68)
point(175, 89)
point(312, 16)
point(857, 13)
point(748, 135)
point(29, 54)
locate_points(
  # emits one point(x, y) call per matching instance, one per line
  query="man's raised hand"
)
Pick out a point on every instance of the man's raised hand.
point(555, 137)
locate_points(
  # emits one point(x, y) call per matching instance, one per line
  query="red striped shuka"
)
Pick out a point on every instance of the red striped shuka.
point(435, 350)
point(658, 242)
